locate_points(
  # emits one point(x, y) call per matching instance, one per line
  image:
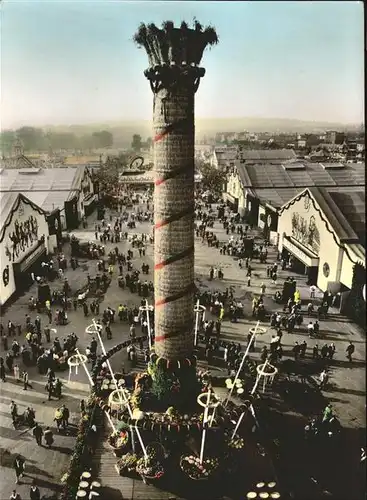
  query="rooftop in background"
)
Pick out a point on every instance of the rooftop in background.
point(38, 179)
point(81, 160)
point(266, 155)
point(307, 174)
point(47, 188)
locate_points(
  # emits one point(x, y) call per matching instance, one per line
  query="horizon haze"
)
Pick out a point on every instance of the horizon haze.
point(74, 63)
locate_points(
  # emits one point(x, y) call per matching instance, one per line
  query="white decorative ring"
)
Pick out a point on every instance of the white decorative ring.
point(77, 360)
point(260, 330)
point(144, 308)
point(201, 308)
point(114, 399)
point(213, 404)
point(93, 329)
point(260, 370)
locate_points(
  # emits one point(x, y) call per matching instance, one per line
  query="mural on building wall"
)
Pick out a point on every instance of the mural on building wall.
point(23, 236)
point(306, 232)
point(6, 276)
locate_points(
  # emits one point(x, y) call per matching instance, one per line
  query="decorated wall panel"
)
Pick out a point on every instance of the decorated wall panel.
point(303, 223)
point(21, 234)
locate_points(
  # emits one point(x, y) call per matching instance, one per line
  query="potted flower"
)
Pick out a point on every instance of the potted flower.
point(118, 441)
point(191, 466)
point(149, 467)
point(156, 451)
point(235, 443)
point(126, 464)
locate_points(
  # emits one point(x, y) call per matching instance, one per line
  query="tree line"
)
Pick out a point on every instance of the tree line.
point(37, 140)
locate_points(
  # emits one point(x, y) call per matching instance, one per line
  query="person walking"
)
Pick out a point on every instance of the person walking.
point(34, 493)
point(296, 350)
point(350, 350)
point(38, 433)
point(331, 350)
point(225, 355)
point(315, 352)
point(14, 412)
point(58, 418)
point(310, 329)
point(26, 383)
point(49, 437)
point(327, 413)
point(82, 406)
point(19, 466)
point(16, 373)
point(65, 416)
point(2, 370)
point(323, 379)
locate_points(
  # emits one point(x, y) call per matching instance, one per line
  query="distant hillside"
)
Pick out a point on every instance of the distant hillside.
point(124, 130)
point(253, 124)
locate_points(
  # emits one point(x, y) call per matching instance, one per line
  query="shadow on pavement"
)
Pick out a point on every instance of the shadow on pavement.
point(9, 433)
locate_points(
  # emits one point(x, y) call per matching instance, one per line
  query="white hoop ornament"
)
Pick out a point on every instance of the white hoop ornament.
point(75, 361)
point(213, 403)
point(260, 330)
point(145, 308)
point(200, 309)
point(93, 329)
point(118, 399)
point(268, 372)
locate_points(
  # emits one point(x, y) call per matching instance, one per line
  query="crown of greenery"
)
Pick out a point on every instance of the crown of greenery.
point(169, 45)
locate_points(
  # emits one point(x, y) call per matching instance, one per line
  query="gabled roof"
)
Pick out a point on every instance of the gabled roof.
point(276, 198)
point(343, 211)
point(352, 205)
point(34, 179)
point(51, 200)
point(265, 155)
point(269, 176)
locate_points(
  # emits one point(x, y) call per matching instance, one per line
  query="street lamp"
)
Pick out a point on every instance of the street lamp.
point(148, 309)
point(198, 309)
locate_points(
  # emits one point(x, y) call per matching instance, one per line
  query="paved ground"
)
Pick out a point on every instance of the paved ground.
point(347, 388)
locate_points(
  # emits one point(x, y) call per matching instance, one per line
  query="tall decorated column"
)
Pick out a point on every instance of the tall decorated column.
point(174, 76)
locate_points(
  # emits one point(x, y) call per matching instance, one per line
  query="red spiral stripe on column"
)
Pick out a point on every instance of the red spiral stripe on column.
point(170, 128)
point(173, 218)
point(171, 335)
point(174, 258)
point(175, 296)
point(171, 175)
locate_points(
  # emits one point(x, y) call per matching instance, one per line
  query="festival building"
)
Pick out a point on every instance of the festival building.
point(258, 188)
point(25, 239)
point(68, 189)
point(322, 232)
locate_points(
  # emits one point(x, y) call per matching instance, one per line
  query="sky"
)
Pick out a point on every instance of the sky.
point(74, 62)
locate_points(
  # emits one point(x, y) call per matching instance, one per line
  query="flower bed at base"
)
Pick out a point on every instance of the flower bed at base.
point(118, 441)
point(83, 449)
point(127, 464)
point(149, 468)
point(195, 470)
point(167, 424)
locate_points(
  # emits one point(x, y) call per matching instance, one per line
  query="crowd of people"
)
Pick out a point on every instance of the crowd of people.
point(128, 268)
